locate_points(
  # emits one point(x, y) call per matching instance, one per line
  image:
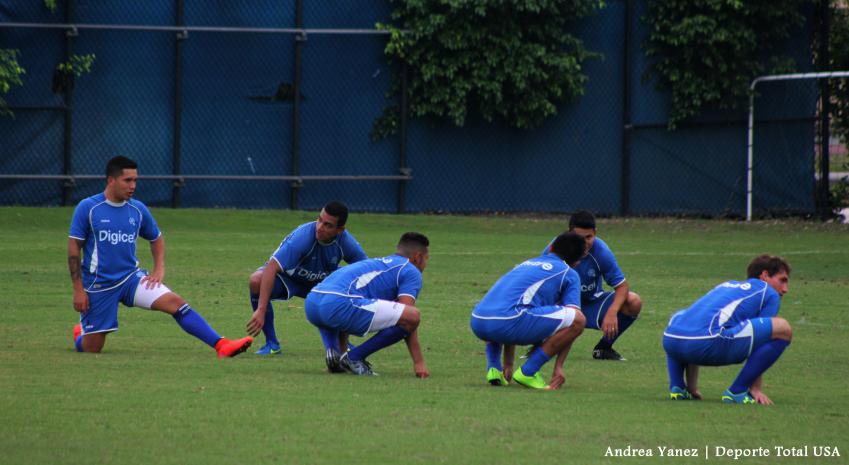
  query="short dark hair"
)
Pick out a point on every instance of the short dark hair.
point(569, 247)
point(772, 264)
point(339, 210)
point(117, 165)
point(582, 219)
point(412, 242)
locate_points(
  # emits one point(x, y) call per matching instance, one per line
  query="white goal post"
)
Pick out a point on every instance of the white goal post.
point(751, 136)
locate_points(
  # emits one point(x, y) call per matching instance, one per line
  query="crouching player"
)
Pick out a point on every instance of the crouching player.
point(376, 295)
point(537, 302)
point(105, 228)
point(734, 322)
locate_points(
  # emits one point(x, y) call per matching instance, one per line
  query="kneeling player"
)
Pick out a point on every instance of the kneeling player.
point(734, 322)
point(376, 295)
point(537, 302)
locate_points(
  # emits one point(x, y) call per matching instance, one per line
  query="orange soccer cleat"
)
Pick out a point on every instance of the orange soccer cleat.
point(232, 347)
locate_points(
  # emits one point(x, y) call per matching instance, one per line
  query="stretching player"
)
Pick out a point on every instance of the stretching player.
point(377, 295)
point(736, 321)
point(105, 227)
point(304, 257)
point(537, 302)
point(611, 312)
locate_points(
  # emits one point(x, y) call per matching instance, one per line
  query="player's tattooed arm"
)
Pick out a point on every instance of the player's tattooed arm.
point(75, 268)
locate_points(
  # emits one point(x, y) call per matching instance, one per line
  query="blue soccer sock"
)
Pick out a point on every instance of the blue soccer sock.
point(267, 327)
point(383, 338)
point(329, 338)
point(535, 361)
point(194, 324)
point(78, 343)
point(493, 355)
point(625, 322)
point(676, 373)
point(761, 359)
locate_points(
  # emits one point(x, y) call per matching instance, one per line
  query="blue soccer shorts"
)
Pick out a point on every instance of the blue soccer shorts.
point(523, 326)
point(353, 315)
point(729, 347)
point(102, 314)
point(594, 310)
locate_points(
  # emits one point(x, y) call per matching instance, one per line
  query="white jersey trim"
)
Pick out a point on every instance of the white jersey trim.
point(317, 291)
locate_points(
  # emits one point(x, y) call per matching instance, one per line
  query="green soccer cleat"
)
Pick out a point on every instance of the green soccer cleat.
point(677, 393)
point(495, 377)
point(533, 382)
point(729, 397)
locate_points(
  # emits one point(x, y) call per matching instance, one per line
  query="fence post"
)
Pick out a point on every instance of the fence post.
point(627, 126)
point(824, 202)
point(403, 169)
point(178, 104)
point(300, 38)
point(67, 142)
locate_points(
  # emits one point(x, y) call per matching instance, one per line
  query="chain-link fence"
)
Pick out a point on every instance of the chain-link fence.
point(270, 104)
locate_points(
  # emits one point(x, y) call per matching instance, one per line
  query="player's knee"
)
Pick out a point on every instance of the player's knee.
point(254, 282)
point(633, 304)
point(410, 319)
point(781, 329)
point(168, 303)
point(579, 322)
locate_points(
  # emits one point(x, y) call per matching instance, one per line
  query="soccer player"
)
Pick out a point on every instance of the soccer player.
point(377, 295)
point(537, 302)
point(735, 321)
point(304, 258)
point(610, 312)
point(105, 227)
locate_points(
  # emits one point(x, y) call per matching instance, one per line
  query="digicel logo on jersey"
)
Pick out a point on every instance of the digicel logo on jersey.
point(115, 237)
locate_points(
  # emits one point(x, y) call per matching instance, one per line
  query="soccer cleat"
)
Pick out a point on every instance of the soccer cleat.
point(495, 377)
point(78, 329)
point(677, 393)
point(607, 354)
point(232, 347)
point(356, 367)
point(269, 349)
point(331, 358)
point(743, 398)
point(533, 382)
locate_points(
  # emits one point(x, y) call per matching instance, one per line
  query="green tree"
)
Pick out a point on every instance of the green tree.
point(498, 59)
point(10, 75)
point(706, 52)
point(838, 50)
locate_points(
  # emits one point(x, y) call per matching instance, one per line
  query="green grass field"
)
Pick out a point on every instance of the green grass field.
point(158, 396)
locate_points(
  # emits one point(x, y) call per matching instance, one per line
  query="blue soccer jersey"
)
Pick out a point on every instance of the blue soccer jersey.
point(542, 281)
point(598, 264)
point(384, 278)
point(109, 231)
point(725, 307)
point(304, 259)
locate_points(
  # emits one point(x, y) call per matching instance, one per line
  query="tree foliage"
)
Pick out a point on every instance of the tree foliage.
point(838, 50)
point(10, 75)
point(706, 52)
point(497, 59)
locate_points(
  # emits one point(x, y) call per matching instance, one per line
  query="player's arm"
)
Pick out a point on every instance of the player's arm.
point(507, 360)
point(610, 324)
point(419, 365)
point(266, 285)
point(75, 268)
point(157, 250)
point(757, 393)
point(693, 381)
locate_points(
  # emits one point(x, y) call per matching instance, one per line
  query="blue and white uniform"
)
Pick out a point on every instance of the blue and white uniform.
point(725, 325)
point(110, 269)
point(360, 298)
point(598, 264)
point(305, 262)
point(530, 303)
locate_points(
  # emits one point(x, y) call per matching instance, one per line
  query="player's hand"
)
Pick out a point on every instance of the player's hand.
point(80, 301)
point(154, 279)
point(557, 380)
point(610, 325)
point(760, 397)
point(255, 324)
point(695, 394)
point(421, 370)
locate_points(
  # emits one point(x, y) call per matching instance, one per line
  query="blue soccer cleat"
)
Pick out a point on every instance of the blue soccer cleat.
point(269, 349)
point(677, 393)
point(729, 397)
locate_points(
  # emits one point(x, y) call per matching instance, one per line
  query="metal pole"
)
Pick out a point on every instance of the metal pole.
point(178, 105)
point(296, 105)
point(403, 169)
point(627, 127)
point(824, 204)
point(67, 142)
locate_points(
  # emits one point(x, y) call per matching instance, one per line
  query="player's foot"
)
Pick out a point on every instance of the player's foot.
point(269, 349)
point(677, 393)
point(331, 358)
point(495, 377)
point(533, 382)
point(607, 354)
point(355, 367)
point(78, 329)
point(232, 347)
point(743, 398)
